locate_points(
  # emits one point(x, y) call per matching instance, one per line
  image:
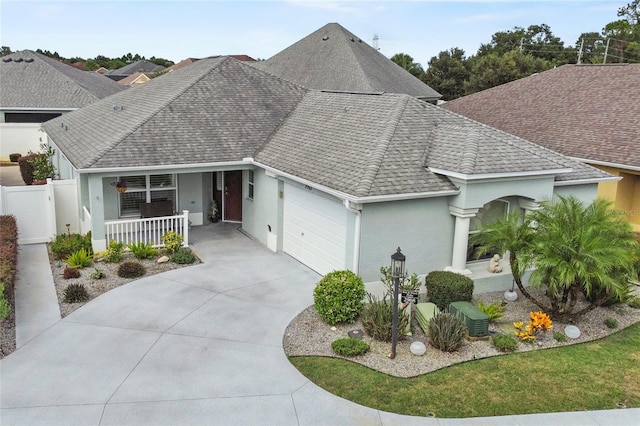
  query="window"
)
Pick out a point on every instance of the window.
point(29, 117)
point(145, 189)
point(489, 213)
point(250, 184)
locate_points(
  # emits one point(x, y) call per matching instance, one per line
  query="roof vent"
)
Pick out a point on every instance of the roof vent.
point(17, 60)
point(29, 60)
point(118, 107)
point(7, 59)
point(325, 38)
point(352, 39)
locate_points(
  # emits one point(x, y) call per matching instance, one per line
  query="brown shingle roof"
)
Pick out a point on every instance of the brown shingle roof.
point(591, 112)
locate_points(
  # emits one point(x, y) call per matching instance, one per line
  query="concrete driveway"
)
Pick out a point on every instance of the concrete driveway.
point(197, 346)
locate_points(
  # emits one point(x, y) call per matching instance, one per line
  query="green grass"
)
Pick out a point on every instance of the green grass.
point(591, 376)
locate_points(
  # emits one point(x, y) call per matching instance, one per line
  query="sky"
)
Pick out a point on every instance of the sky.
point(176, 30)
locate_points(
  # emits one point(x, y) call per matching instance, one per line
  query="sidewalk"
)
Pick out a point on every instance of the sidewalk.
point(37, 306)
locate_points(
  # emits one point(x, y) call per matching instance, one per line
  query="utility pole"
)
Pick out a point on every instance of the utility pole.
point(606, 50)
point(375, 42)
point(580, 52)
point(521, 42)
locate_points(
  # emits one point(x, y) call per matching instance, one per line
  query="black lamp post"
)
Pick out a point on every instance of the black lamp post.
point(397, 272)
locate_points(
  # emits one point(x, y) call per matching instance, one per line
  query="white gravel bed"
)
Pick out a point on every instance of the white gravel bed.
point(308, 335)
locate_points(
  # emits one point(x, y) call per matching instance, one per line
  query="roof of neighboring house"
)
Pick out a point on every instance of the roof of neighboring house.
point(138, 66)
point(182, 63)
point(222, 110)
point(31, 80)
point(136, 78)
point(332, 58)
point(590, 112)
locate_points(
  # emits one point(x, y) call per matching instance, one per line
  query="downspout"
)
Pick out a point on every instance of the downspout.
point(356, 242)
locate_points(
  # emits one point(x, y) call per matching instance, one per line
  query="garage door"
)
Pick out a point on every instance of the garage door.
point(314, 229)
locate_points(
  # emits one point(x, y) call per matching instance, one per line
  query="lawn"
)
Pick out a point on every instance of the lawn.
point(597, 375)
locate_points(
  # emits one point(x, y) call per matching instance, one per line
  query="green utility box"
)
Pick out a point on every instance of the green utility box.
point(424, 312)
point(477, 321)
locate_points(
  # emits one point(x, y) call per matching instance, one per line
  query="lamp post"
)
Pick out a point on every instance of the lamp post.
point(397, 272)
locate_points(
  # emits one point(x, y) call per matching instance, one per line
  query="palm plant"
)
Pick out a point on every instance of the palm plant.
point(511, 234)
point(584, 250)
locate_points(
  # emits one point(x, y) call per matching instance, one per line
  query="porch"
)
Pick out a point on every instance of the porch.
point(148, 230)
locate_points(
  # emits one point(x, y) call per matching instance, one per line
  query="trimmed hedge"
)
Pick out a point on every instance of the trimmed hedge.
point(8, 261)
point(444, 287)
point(338, 297)
point(26, 167)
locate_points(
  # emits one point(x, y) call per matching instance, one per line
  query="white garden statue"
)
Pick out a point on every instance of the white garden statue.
point(494, 264)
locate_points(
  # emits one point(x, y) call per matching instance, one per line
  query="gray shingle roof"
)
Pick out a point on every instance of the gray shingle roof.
point(584, 111)
point(138, 66)
point(31, 80)
point(214, 110)
point(332, 58)
point(373, 145)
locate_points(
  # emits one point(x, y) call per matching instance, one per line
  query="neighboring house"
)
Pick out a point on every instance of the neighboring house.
point(135, 67)
point(102, 70)
point(181, 64)
point(136, 78)
point(588, 112)
point(332, 58)
point(337, 180)
point(35, 88)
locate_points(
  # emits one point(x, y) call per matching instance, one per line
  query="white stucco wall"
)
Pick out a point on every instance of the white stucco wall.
point(264, 211)
point(20, 138)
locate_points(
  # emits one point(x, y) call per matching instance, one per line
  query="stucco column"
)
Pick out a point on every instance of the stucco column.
point(528, 205)
point(96, 203)
point(461, 239)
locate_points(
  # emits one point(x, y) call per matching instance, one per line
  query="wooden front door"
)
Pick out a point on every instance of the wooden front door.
point(233, 196)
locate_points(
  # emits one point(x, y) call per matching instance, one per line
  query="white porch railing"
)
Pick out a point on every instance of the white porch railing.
point(148, 230)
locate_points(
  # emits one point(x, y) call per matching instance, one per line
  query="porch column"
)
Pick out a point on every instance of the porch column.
point(461, 239)
point(528, 205)
point(96, 203)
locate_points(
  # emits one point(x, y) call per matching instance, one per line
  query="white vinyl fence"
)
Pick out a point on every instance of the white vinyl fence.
point(148, 230)
point(41, 211)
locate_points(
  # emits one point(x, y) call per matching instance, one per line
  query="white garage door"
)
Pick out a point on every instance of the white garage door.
point(314, 229)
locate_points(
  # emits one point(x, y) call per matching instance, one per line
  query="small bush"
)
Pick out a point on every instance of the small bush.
point(131, 269)
point(559, 337)
point(79, 259)
point(142, 250)
point(494, 311)
point(447, 332)
point(65, 245)
point(377, 318)
point(349, 347)
point(75, 293)
point(97, 274)
point(338, 297)
point(634, 303)
point(8, 252)
point(611, 323)
point(5, 306)
point(172, 241)
point(183, 256)
point(504, 343)
point(69, 273)
point(444, 287)
point(114, 252)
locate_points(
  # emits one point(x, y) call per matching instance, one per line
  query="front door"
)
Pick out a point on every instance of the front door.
point(233, 196)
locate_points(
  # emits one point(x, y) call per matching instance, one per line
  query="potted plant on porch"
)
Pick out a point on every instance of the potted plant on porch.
point(213, 212)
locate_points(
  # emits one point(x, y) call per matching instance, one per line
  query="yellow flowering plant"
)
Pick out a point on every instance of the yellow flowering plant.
point(538, 322)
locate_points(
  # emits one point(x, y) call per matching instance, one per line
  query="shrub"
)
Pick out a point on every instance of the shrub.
point(494, 311)
point(444, 287)
point(8, 251)
point(26, 168)
point(114, 252)
point(142, 250)
point(131, 269)
point(5, 307)
point(560, 337)
point(377, 318)
point(79, 259)
point(504, 343)
point(338, 297)
point(634, 303)
point(65, 245)
point(69, 273)
point(172, 241)
point(611, 323)
point(349, 347)
point(183, 256)
point(447, 332)
point(75, 293)
point(97, 274)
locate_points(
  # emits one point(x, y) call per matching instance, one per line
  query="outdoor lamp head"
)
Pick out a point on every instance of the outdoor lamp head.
point(397, 264)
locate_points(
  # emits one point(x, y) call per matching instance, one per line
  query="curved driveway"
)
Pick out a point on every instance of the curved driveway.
point(194, 346)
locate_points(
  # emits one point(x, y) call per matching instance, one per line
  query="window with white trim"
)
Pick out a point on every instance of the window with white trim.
point(145, 189)
point(250, 184)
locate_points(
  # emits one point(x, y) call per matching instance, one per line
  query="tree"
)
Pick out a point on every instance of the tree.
point(493, 70)
point(447, 73)
point(406, 62)
point(631, 12)
point(579, 252)
point(593, 47)
point(5, 50)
